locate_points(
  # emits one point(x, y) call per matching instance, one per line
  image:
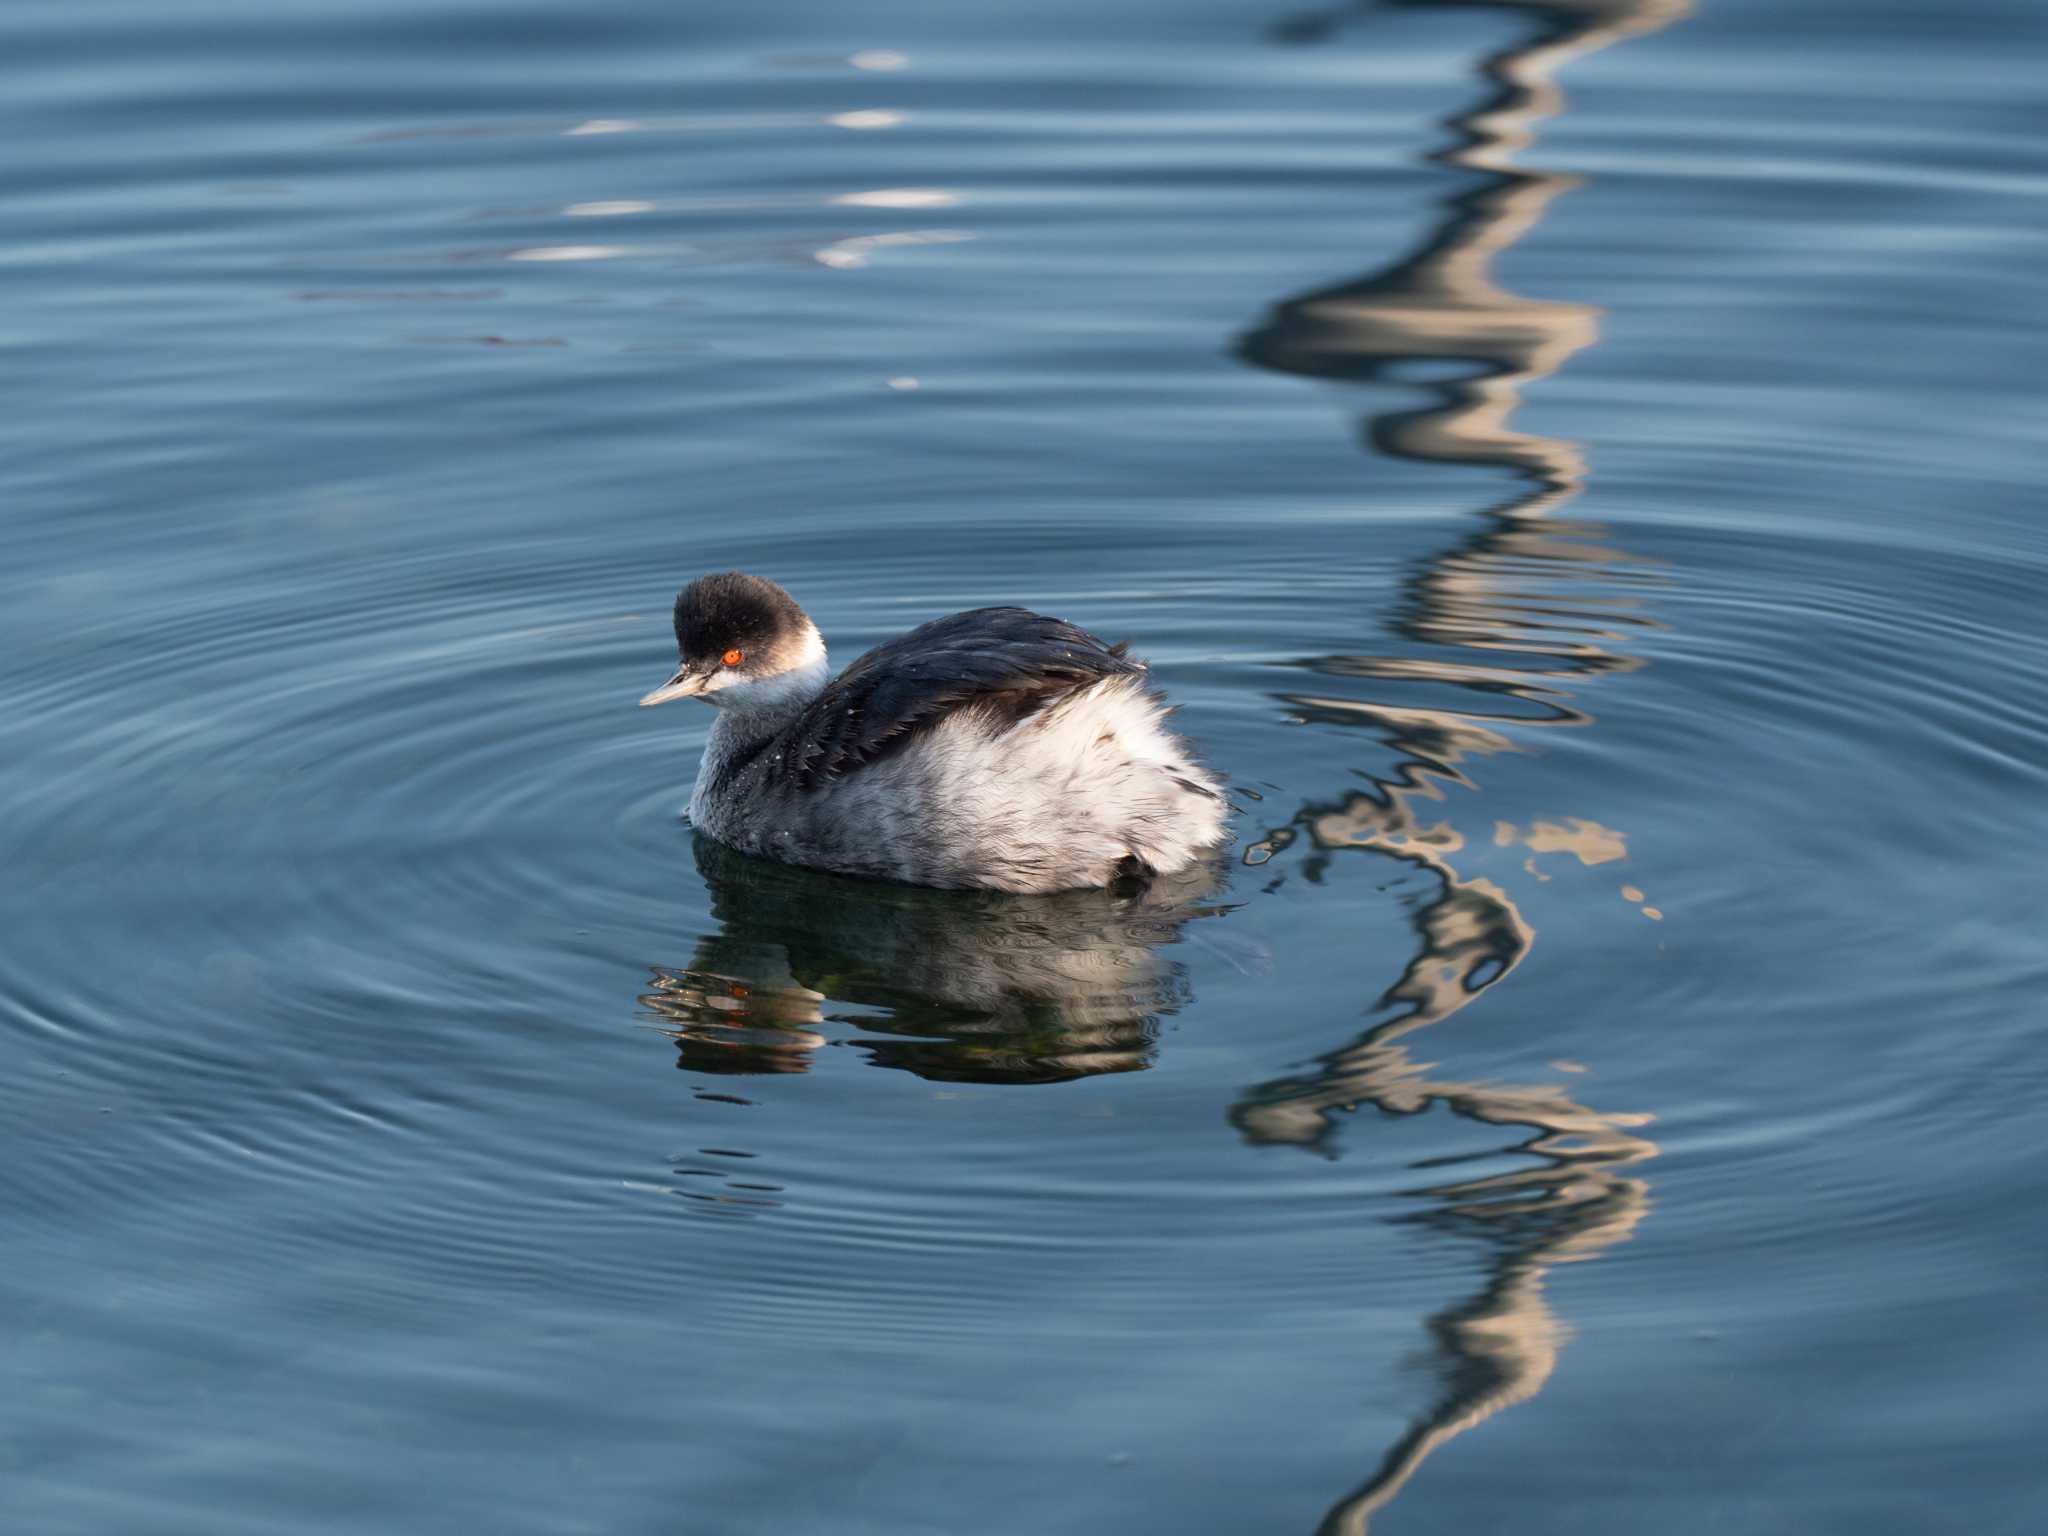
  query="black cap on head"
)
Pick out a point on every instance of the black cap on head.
point(733, 611)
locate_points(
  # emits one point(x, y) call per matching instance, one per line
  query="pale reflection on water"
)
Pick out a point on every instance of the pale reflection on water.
point(1559, 599)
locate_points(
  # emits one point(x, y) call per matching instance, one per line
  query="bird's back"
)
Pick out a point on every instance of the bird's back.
point(1003, 664)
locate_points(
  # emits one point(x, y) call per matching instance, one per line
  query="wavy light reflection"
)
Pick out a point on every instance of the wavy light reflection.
point(1533, 602)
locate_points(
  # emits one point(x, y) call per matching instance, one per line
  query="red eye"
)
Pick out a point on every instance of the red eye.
point(734, 658)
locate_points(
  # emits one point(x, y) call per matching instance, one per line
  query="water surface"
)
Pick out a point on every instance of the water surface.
point(1574, 466)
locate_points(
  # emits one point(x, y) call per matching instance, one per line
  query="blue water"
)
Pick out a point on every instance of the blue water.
point(1574, 465)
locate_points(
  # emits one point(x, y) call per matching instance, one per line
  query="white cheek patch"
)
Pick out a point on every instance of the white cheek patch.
point(735, 690)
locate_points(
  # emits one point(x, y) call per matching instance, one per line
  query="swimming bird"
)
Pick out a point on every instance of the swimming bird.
point(995, 749)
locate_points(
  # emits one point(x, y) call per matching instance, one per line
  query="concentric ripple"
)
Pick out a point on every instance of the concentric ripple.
point(1591, 532)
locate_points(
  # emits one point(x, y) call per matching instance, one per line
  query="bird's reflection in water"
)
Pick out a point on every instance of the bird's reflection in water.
point(1506, 624)
point(954, 986)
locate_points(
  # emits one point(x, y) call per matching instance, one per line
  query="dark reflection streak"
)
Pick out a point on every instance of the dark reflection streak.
point(1517, 590)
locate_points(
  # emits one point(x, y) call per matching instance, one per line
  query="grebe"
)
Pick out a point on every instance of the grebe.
point(996, 749)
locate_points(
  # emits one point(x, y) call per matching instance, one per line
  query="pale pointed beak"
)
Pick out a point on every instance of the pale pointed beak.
point(684, 685)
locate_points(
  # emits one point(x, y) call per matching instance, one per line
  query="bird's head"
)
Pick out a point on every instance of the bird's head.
point(742, 642)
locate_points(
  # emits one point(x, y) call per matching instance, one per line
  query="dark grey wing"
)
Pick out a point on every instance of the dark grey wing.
point(1006, 663)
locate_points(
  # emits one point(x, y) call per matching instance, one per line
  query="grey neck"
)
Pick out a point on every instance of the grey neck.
point(751, 713)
